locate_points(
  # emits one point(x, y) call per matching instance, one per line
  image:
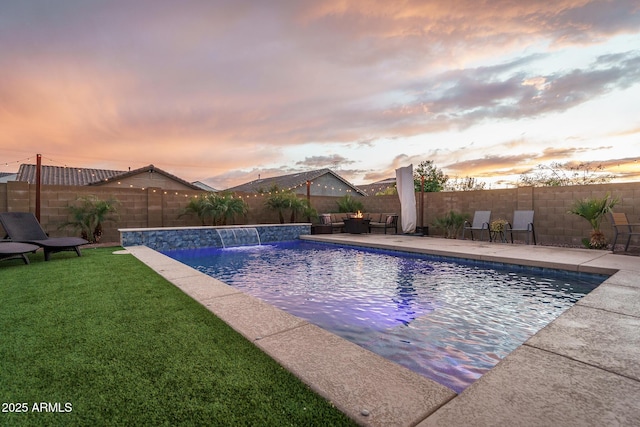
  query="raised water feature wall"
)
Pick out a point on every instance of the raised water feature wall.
point(167, 238)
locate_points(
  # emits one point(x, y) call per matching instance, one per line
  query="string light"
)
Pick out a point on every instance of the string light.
point(247, 196)
point(18, 161)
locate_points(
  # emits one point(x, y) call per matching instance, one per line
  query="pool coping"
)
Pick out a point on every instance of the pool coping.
point(582, 369)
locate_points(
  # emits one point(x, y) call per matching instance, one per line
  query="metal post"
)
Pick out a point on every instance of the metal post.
point(309, 198)
point(38, 183)
point(422, 204)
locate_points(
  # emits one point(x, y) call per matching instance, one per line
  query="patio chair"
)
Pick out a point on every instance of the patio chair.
point(385, 221)
point(481, 220)
point(522, 222)
point(622, 226)
point(10, 250)
point(24, 227)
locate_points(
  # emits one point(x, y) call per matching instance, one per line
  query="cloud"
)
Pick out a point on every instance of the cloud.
point(467, 97)
point(334, 161)
point(208, 86)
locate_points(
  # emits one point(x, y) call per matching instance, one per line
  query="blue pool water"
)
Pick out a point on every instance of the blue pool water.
point(449, 321)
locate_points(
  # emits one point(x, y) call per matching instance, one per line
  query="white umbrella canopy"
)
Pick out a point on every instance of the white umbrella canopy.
point(407, 195)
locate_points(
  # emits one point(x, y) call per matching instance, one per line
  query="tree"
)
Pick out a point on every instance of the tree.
point(389, 191)
point(464, 184)
point(560, 174)
point(593, 210)
point(434, 178)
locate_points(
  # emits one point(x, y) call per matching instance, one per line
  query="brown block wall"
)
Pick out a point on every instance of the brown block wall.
point(153, 207)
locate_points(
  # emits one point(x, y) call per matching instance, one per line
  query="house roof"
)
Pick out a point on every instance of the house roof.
point(63, 175)
point(149, 168)
point(7, 176)
point(204, 186)
point(290, 182)
point(59, 175)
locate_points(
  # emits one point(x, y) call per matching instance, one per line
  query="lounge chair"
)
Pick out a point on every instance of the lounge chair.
point(9, 250)
point(481, 220)
point(24, 227)
point(522, 222)
point(622, 226)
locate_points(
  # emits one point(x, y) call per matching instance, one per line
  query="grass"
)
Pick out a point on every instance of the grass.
point(109, 339)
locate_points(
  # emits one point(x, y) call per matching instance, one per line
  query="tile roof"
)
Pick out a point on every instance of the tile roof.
point(59, 175)
point(62, 175)
point(150, 168)
point(290, 181)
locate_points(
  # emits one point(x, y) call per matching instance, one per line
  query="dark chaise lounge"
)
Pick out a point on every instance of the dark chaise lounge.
point(23, 227)
point(9, 250)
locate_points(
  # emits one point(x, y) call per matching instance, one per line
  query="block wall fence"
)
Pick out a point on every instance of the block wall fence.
point(155, 207)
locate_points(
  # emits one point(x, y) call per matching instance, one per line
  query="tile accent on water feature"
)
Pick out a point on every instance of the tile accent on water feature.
point(162, 239)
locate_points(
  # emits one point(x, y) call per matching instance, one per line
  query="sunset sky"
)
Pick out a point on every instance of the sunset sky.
point(222, 91)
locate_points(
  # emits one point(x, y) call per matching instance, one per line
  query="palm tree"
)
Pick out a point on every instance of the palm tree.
point(593, 210)
point(348, 203)
point(81, 220)
point(89, 215)
point(101, 210)
point(450, 223)
point(279, 201)
point(300, 206)
point(219, 207)
point(197, 206)
point(225, 207)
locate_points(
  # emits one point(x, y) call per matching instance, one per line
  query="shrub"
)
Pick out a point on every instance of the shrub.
point(451, 223)
point(593, 209)
point(89, 214)
point(348, 203)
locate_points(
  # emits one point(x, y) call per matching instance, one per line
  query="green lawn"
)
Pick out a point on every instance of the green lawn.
point(103, 340)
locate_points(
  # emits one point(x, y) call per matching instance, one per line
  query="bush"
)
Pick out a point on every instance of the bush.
point(348, 203)
point(89, 214)
point(593, 210)
point(451, 223)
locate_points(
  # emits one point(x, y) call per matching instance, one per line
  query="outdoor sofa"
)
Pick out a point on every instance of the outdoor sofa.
point(382, 221)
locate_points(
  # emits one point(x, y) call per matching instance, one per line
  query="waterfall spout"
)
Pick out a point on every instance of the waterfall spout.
point(241, 236)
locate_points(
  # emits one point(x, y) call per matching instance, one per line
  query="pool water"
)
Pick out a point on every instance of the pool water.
point(449, 321)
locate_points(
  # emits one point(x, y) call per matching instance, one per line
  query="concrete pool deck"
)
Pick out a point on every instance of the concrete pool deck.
point(583, 369)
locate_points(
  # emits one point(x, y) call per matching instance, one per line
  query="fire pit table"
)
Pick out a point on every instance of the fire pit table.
point(356, 225)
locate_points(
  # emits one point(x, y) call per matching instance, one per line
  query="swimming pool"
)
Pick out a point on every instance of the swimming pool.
point(449, 321)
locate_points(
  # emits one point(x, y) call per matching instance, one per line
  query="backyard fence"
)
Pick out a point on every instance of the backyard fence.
point(155, 207)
